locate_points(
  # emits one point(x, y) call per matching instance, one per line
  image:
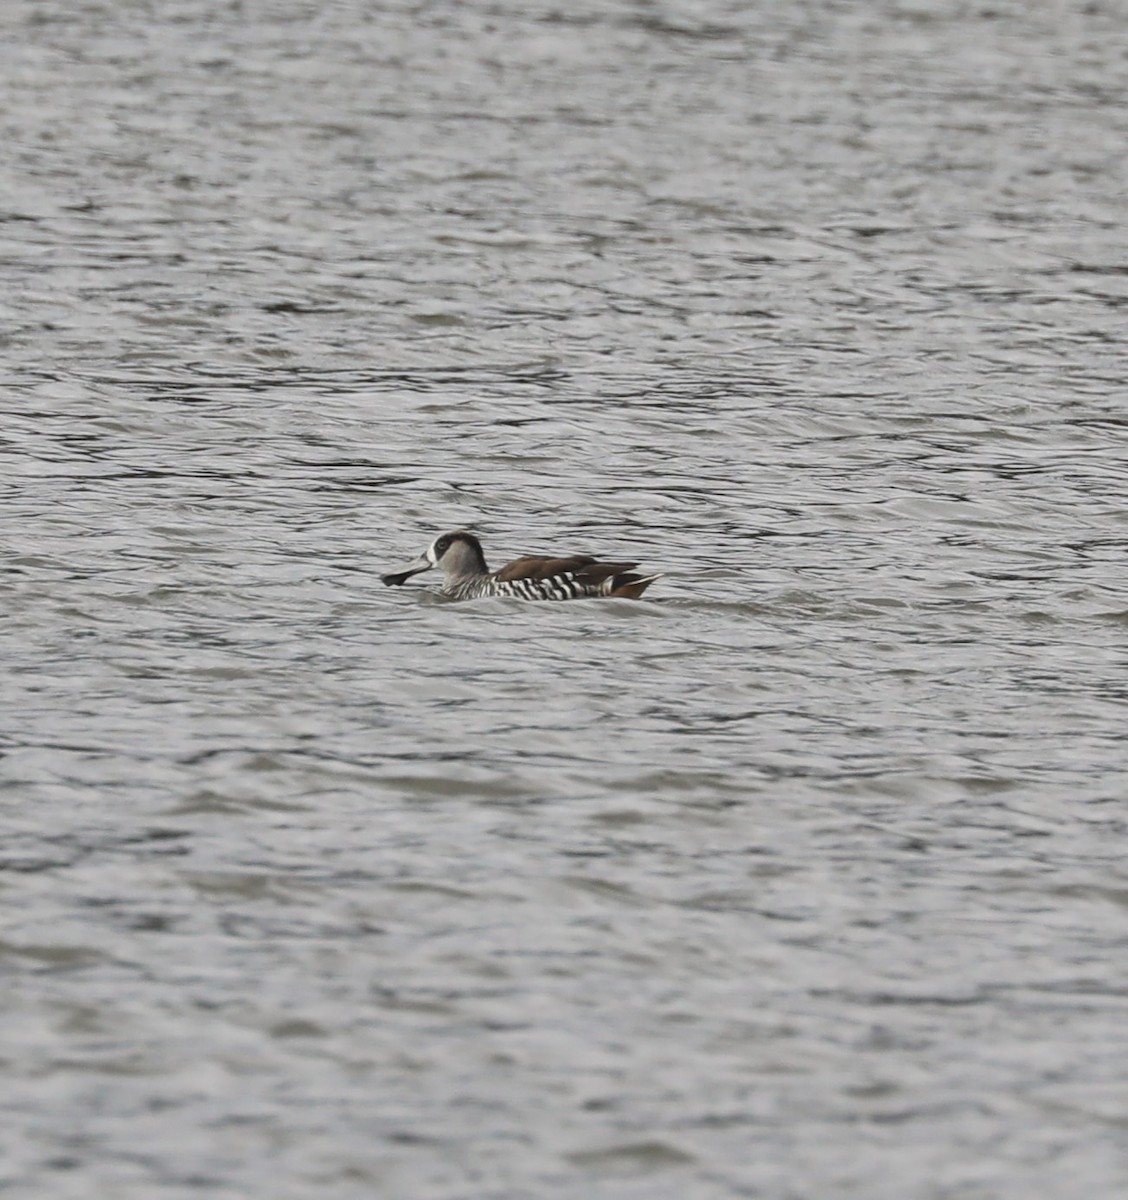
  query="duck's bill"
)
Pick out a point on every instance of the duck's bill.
point(396, 578)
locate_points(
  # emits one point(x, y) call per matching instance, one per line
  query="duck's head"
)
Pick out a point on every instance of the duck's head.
point(458, 555)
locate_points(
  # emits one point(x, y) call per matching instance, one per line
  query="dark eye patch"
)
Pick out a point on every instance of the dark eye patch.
point(442, 545)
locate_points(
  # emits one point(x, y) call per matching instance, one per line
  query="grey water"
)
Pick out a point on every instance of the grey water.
point(800, 879)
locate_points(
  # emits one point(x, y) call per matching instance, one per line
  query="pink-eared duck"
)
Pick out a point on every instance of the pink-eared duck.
point(532, 577)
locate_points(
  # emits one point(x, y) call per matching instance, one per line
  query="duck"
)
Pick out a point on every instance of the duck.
point(460, 557)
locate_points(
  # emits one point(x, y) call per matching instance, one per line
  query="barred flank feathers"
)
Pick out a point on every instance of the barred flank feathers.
point(533, 577)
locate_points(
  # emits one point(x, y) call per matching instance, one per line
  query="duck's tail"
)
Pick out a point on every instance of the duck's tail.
point(629, 587)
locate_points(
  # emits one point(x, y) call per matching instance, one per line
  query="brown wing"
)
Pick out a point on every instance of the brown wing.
point(539, 566)
point(583, 566)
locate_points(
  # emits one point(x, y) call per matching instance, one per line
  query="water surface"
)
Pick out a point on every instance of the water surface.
point(801, 878)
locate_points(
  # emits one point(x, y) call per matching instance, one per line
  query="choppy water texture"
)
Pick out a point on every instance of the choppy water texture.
point(803, 879)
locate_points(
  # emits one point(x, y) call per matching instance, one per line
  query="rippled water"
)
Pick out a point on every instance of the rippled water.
point(800, 879)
